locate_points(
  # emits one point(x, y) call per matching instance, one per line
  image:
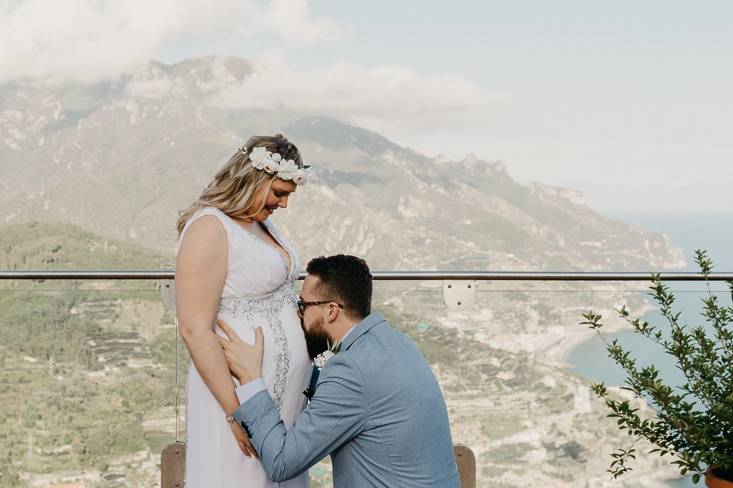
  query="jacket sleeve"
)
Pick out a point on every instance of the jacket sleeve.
point(336, 414)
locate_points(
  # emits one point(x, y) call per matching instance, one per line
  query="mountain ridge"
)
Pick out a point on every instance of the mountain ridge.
point(122, 158)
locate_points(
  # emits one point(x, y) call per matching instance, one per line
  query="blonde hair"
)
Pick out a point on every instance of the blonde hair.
point(233, 188)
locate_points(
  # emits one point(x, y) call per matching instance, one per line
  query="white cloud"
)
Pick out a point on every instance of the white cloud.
point(90, 40)
point(292, 21)
point(391, 99)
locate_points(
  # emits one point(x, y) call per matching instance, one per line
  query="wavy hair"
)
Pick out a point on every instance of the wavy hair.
point(233, 188)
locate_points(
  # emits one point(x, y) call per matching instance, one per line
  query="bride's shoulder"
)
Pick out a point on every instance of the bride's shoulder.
point(206, 223)
point(204, 211)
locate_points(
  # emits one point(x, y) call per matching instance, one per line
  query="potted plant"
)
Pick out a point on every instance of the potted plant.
point(693, 422)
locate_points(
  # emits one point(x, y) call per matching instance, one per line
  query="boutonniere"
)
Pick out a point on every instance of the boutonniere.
point(318, 363)
point(321, 360)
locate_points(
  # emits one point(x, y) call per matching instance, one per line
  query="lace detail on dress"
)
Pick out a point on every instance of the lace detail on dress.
point(269, 306)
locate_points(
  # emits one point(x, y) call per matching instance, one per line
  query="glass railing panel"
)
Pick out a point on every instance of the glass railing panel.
point(93, 378)
point(516, 370)
point(88, 383)
point(589, 360)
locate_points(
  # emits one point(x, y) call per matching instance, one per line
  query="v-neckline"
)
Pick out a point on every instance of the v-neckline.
point(287, 263)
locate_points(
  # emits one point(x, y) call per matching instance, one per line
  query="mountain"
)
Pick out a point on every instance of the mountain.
point(66, 246)
point(122, 158)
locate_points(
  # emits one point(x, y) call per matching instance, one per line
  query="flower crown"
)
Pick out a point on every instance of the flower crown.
point(274, 164)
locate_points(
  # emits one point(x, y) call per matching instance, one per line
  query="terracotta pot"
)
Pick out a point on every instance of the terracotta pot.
point(712, 481)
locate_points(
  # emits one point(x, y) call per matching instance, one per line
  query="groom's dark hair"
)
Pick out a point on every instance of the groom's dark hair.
point(345, 279)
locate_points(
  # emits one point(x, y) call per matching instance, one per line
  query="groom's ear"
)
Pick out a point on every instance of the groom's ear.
point(333, 311)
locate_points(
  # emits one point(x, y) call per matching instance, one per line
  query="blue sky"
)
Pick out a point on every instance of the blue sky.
point(630, 102)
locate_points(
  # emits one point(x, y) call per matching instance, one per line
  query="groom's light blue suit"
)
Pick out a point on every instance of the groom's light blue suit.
point(377, 410)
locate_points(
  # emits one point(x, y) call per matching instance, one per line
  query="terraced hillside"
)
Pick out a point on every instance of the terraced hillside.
point(88, 372)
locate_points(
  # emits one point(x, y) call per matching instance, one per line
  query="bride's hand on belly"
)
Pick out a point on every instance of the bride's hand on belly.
point(244, 443)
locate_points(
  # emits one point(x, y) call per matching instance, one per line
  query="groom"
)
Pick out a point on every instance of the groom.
point(377, 408)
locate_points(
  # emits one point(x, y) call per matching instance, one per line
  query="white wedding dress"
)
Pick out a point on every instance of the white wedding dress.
point(258, 292)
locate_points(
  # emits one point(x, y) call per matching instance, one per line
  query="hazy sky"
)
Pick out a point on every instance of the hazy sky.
point(628, 101)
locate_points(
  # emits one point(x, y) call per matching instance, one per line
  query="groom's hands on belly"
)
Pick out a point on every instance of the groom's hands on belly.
point(244, 360)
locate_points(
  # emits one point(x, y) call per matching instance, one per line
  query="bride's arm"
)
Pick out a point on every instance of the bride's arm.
point(201, 269)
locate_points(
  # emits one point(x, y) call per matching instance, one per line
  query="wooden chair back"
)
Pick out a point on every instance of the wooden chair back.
point(173, 466)
point(466, 462)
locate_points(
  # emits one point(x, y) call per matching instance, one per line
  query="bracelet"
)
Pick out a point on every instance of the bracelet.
point(230, 418)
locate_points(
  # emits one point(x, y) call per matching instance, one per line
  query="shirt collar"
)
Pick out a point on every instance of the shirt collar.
point(359, 329)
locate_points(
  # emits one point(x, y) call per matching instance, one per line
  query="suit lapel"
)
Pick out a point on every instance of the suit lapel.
point(359, 330)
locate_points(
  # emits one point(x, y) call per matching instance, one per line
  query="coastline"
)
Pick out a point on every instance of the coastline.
point(555, 346)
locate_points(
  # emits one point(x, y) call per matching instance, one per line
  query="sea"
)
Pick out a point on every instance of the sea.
point(712, 232)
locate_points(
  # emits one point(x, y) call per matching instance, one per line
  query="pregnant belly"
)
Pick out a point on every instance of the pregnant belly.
point(285, 363)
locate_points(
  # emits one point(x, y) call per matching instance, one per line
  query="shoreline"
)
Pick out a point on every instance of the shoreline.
point(556, 347)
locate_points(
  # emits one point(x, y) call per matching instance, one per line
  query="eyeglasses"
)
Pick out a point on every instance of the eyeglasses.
point(302, 305)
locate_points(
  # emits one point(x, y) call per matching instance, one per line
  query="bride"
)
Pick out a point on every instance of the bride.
point(233, 264)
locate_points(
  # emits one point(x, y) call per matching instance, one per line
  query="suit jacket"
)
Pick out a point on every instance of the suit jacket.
point(377, 410)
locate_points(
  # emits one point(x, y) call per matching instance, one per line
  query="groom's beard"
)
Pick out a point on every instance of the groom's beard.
point(316, 339)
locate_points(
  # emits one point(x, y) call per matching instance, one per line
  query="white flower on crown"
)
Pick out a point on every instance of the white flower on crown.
point(288, 169)
point(274, 164)
point(299, 177)
point(259, 156)
point(271, 166)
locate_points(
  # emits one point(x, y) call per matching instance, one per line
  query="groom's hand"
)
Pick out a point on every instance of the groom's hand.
point(244, 442)
point(245, 361)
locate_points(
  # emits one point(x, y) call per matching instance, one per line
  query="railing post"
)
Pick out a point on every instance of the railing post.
point(459, 294)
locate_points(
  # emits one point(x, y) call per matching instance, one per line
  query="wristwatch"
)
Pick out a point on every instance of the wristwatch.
point(230, 419)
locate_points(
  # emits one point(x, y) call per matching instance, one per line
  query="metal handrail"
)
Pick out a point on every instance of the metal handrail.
point(389, 275)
